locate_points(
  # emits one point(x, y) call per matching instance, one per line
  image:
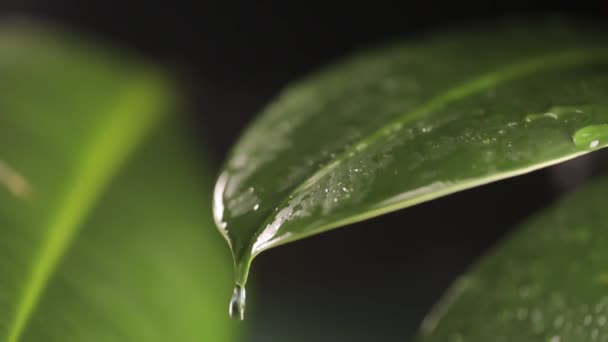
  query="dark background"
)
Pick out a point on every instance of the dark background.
point(375, 280)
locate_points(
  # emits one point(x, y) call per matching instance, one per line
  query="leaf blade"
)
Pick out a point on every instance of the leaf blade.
point(72, 113)
point(544, 282)
point(280, 185)
point(141, 269)
point(86, 188)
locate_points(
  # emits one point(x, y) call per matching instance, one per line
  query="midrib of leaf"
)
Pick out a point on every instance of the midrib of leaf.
point(136, 114)
point(477, 85)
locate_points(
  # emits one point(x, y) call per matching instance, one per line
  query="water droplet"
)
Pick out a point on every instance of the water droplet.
point(237, 303)
point(537, 316)
point(559, 112)
point(256, 206)
point(251, 189)
point(361, 146)
point(591, 137)
point(534, 117)
point(522, 313)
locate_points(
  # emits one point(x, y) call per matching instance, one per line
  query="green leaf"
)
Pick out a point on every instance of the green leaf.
point(407, 123)
point(547, 282)
point(90, 251)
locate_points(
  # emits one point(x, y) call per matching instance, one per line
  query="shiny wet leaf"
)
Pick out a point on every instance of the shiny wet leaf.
point(410, 122)
point(547, 282)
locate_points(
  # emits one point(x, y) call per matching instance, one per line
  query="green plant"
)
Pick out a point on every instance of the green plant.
point(104, 233)
point(102, 237)
point(397, 126)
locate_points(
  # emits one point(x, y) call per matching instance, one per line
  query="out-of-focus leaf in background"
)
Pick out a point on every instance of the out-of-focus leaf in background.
point(398, 126)
point(547, 282)
point(91, 250)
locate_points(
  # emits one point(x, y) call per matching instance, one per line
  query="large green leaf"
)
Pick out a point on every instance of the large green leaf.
point(545, 283)
point(411, 122)
point(144, 266)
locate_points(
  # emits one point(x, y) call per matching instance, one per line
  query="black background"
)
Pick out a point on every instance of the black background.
point(374, 280)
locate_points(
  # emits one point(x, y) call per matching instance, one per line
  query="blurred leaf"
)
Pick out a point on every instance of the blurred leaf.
point(545, 283)
point(146, 265)
point(401, 125)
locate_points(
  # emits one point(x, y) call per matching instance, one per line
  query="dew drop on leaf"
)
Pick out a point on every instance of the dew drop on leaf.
point(534, 117)
point(591, 137)
point(559, 112)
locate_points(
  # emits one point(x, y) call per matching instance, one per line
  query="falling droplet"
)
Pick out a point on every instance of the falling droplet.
point(591, 137)
point(237, 303)
point(256, 206)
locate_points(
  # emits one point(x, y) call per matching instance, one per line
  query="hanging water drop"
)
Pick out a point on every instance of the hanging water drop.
point(591, 137)
point(237, 303)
